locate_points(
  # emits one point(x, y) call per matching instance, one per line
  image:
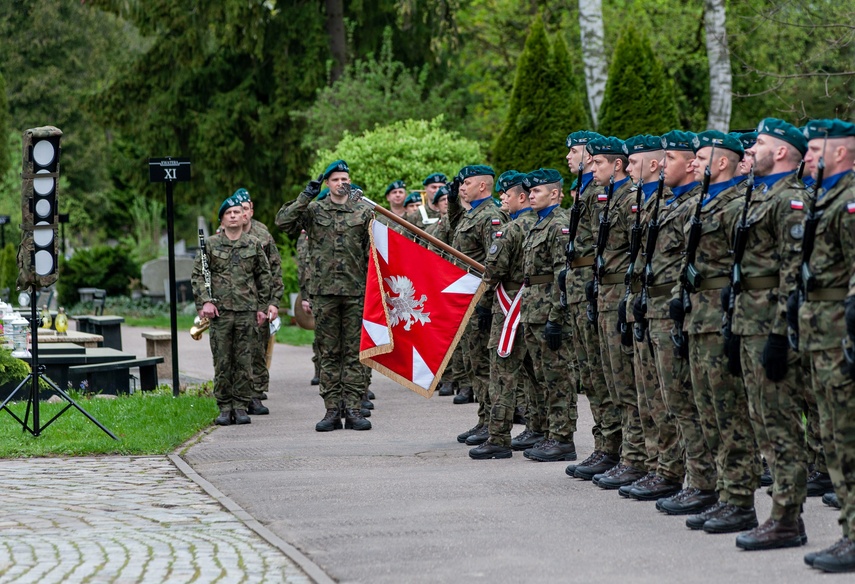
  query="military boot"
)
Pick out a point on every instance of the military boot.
point(622, 475)
point(466, 395)
point(731, 519)
point(488, 450)
point(315, 380)
point(842, 559)
point(552, 451)
point(446, 388)
point(624, 490)
point(689, 501)
point(471, 431)
point(519, 415)
point(811, 557)
point(831, 500)
point(697, 521)
point(818, 484)
point(225, 417)
point(241, 417)
point(479, 437)
point(526, 439)
point(256, 408)
point(773, 534)
point(366, 403)
point(656, 489)
point(593, 458)
point(370, 394)
point(354, 420)
point(766, 479)
point(331, 421)
point(602, 464)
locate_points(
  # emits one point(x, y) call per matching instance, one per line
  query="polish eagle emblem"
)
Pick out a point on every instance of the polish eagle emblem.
point(404, 308)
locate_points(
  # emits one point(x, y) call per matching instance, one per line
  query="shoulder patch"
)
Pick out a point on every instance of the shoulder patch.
point(493, 249)
point(797, 231)
point(496, 221)
point(850, 207)
point(602, 197)
point(565, 231)
point(499, 234)
point(634, 209)
point(797, 205)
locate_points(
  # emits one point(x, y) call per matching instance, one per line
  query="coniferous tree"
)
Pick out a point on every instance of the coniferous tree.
point(4, 127)
point(639, 96)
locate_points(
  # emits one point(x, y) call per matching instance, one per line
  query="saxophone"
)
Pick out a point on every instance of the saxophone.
point(200, 323)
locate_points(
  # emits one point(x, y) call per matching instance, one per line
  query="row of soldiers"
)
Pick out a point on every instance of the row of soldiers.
point(698, 292)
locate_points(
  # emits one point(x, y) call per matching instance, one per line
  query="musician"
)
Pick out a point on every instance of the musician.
point(233, 293)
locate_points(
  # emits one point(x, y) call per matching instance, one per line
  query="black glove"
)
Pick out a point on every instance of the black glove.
point(638, 312)
point(850, 316)
point(485, 318)
point(724, 295)
point(732, 350)
point(676, 310)
point(774, 357)
point(621, 315)
point(589, 293)
point(313, 189)
point(793, 311)
point(553, 335)
point(454, 188)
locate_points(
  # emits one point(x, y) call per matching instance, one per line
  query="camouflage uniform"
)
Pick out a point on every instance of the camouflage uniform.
point(338, 239)
point(473, 236)
point(504, 266)
point(241, 284)
point(720, 397)
point(552, 405)
point(821, 328)
point(260, 374)
point(304, 275)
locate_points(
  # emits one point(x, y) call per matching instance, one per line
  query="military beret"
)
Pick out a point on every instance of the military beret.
point(509, 179)
point(232, 201)
point(323, 194)
point(440, 193)
point(581, 137)
point(603, 145)
point(541, 176)
point(475, 170)
point(337, 166)
point(831, 128)
point(413, 197)
point(434, 178)
point(747, 139)
point(678, 140)
point(719, 139)
point(398, 184)
point(575, 184)
point(783, 131)
point(243, 195)
point(642, 143)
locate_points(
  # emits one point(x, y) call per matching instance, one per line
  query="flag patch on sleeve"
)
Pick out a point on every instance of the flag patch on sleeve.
point(496, 221)
point(851, 207)
point(499, 234)
point(603, 197)
point(635, 208)
point(798, 205)
point(565, 231)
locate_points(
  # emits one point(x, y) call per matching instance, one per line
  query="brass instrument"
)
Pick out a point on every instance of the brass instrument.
point(201, 323)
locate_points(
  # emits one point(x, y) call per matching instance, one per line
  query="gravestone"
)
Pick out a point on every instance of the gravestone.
point(155, 276)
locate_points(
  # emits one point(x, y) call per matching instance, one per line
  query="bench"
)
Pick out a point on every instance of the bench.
point(109, 327)
point(159, 344)
point(114, 377)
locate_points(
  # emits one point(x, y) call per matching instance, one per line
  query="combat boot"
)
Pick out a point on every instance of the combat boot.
point(624, 490)
point(241, 417)
point(552, 451)
point(465, 435)
point(465, 396)
point(697, 521)
point(488, 450)
point(657, 488)
point(366, 403)
point(225, 417)
point(588, 471)
point(354, 420)
point(479, 437)
point(818, 484)
point(263, 396)
point(766, 479)
point(773, 534)
point(593, 458)
point(731, 519)
point(446, 388)
point(842, 559)
point(526, 439)
point(811, 557)
point(620, 476)
point(331, 421)
point(519, 415)
point(256, 408)
point(687, 502)
point(370, 394)
point(315, 380)
point(831, 500)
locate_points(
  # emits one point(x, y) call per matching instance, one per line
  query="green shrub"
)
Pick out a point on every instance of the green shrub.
point(9, 268)
point(290, 280)
point(110, 268)
point(12, 369)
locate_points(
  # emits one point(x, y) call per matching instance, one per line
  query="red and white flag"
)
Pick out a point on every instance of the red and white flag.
point(416, 308)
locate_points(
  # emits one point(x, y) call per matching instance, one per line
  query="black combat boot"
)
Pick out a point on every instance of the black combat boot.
point(479, 437)
point(842, 559)
point(465, 396)
point(331, 421)
point(773, 534)
point(689, 501)
point(818, 484)
point(354, 420)
point(657, 488)
point(489, 450)
point(470, 432)
point(446, 388)
point(256, 408)
point(225, 417)
point(732, 519)
point(241, 417)
point(599, 465)
point(526, 439)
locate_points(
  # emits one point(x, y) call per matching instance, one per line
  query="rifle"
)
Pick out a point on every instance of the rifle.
point(602, 241)
point(647, 275)
point(634, 248)
point(740, 241)
point(570, 250)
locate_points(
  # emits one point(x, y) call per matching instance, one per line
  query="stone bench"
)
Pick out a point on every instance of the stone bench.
point(110, 327)
point(159, 344)
point(114, 377)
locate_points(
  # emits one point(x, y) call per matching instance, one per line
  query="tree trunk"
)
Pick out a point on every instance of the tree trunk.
point(721, 80)
point(338, 41)
point(593, 53)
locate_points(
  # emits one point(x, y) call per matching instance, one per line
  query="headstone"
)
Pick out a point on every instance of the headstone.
point(155, 275)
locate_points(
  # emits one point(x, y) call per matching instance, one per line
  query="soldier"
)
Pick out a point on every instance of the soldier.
point(432, 184)
point(338, 233)
point(411, 207)
point(260, 374)
point(509, 360)
point(236, 303)
point(828, 315)
point(696, 309)
point(473, 235)
point(769, 242)
point(552, 402)
point(396, 194)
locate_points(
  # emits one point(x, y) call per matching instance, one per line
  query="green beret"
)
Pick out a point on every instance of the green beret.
point(783, 131)
point(581, 137)
point(337, 166)
point(232, 201)
point(575, 184)
point(509, 179)
point(747, 139)
point(475, 170)
point(678, 140)
point(398, 184)
point(242, 195)
point(435, 178)
point(541, 176)
point(603, 145)
point(414, 197)
point(719, 139)
point(831, 128)
point(323, 194)
point(440, 193)
point(642, 143)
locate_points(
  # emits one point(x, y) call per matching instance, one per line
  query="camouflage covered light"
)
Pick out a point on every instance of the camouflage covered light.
point(37, 256)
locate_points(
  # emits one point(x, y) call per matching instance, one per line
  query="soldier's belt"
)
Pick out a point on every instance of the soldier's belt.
point(610, 279)
point(512, 287)
point(761, 283)
point(542, 279)
point(714, 283)
point(660, 290)
point(827, 294)
point(582, 262)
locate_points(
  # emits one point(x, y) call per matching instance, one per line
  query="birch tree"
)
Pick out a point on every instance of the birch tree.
point(593, 53)
point(721, 78)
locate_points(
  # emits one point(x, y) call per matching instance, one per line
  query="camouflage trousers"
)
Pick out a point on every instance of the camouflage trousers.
point(260, 374)
point(589, 363)
point(338, 325)
point(776, 413)
point(723, 409)
point(678, 394)
point(813, 432)
point(456, 371)
point(555, 389)
point(316, 361)
point(507, 375)
point(477, 360)
point(835, 397)
point(661, 437)
point(232, 342)
point(620, 379)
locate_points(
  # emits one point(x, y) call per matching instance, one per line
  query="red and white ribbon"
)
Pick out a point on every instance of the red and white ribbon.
point(511, 309)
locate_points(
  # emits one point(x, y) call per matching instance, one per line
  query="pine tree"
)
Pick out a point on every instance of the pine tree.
point(639, 96)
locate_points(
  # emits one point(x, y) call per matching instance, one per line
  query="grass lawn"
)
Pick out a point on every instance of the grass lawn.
point(145, 423)
point(289, 335)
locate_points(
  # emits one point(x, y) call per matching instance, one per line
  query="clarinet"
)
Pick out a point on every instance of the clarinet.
point(201, 324)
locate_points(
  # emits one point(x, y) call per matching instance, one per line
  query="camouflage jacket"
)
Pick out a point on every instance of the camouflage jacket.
point(821, 322)
point(579, 276)
point(304, 273)
point(775, 218)
point(504, 262)
point(416, 218)
point(616, 253)
point(240, 274)
point(338, 240)
point(543, 257)
point(474, 229)
point(277, 288)
point(713, 259)
point(441, 230)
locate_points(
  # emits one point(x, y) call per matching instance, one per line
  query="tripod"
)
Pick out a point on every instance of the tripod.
point(33, 379)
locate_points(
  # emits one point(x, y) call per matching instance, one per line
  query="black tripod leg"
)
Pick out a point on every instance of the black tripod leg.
point(71, 403)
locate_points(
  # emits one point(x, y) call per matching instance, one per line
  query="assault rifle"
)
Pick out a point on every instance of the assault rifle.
point(649, 248)
point(740, 241)
point(634, 248)
point(570, 250)
point(602, 241)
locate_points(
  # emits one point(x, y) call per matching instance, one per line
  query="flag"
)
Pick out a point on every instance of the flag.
point(417, 305)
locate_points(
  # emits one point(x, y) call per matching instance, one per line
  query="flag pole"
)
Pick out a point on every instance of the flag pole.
point(421, 233)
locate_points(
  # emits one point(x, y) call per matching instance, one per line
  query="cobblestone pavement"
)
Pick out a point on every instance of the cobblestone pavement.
point(122, 520)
